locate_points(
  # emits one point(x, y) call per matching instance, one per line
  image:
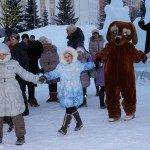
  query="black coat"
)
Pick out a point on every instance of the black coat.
point(19, 53)
point(35, 50)
point(76, 39)
point(147, 29)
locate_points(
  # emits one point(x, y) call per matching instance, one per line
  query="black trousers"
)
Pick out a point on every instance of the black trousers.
point(71, 110)
point(31, 90)
point(52, 87)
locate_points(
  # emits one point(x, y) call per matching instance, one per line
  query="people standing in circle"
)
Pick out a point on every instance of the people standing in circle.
point(145, 27)
point(75, 36)
point(97, 44)
point(49, 60)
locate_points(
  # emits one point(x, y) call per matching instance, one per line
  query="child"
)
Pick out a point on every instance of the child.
point(70, 91)
point(11, 99)
point(83, 57)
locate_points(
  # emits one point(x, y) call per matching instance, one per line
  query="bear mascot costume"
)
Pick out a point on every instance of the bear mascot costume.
point(119, 55)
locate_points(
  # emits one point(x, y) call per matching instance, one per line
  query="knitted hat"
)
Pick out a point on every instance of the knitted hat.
point(45, 40)
point(80, 49)
point(32, 36)
point(7, 38)
point(71, 28)
point(4, 49)
point(25, 36)
point(16, 36)
point(95, 31)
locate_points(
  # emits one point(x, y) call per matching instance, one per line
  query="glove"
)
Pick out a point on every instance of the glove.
point(42, 79)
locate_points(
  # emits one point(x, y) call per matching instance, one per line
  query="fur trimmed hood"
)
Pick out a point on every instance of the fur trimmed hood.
point(68, 50)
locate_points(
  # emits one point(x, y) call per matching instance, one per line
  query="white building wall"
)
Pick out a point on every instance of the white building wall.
point(87, 11)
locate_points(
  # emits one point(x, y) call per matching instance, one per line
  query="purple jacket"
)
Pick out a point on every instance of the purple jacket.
point(94, 47)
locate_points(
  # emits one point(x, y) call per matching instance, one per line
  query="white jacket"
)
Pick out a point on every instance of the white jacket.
point(11, 99)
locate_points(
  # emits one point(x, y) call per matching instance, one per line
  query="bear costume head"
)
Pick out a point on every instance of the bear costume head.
point(121, 32)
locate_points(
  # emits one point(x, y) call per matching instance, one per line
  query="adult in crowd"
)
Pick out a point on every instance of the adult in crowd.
point(19, 53)
point(145, 27)
point(32, 38)
point(49, 60)
point(35, 49)
point(75, 36)
point(97, 44)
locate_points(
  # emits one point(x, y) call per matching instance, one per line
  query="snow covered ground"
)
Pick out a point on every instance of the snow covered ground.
point(97, 134)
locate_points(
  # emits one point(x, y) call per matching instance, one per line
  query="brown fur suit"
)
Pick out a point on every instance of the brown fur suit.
point(119, 55)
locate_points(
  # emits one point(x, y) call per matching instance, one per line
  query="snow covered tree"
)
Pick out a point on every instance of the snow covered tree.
point(66, 13)
point(32, 20)
point(12, 16)
point(142, 10)
point(45, 21)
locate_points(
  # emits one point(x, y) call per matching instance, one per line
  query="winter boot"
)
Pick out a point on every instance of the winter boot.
point(66, 123)
point(53, 97)
point(78, 120)
point(84, 102)
point(20, 140)
point(33, 102)
point(0, 139)
point(101, 98)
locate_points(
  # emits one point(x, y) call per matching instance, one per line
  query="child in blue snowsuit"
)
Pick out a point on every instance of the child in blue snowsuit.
point(70, 93)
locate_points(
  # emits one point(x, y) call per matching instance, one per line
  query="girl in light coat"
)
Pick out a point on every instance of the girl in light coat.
point(70, 92)
point(11, 99)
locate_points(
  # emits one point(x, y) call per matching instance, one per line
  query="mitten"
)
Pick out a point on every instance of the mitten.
point(42, 79)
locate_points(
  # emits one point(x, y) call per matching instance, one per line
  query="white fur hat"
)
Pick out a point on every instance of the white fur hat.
point(69, 50)
point(4, 49)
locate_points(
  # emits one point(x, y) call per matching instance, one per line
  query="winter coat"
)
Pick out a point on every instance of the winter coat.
point(76, 39)
point(19, 53)
point(147, 29)
point(49, 60)
point(35, 49)
point(85, 79)
point(70, 89)
point(11, 99)
point(94, 47)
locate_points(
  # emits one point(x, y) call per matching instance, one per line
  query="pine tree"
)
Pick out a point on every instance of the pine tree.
point(45, 21)
point(12, 16)
point(66, 13)
point(32, 20)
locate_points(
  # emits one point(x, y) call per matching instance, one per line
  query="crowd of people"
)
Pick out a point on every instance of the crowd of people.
point(73, 68)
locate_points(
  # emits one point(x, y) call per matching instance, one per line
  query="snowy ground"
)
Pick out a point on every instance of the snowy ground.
point(97, 134)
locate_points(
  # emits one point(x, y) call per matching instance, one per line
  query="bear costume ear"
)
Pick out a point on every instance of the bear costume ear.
point(133, 33)
point(108, 37)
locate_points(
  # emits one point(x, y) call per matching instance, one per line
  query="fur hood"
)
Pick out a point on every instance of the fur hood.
point(69, 50)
